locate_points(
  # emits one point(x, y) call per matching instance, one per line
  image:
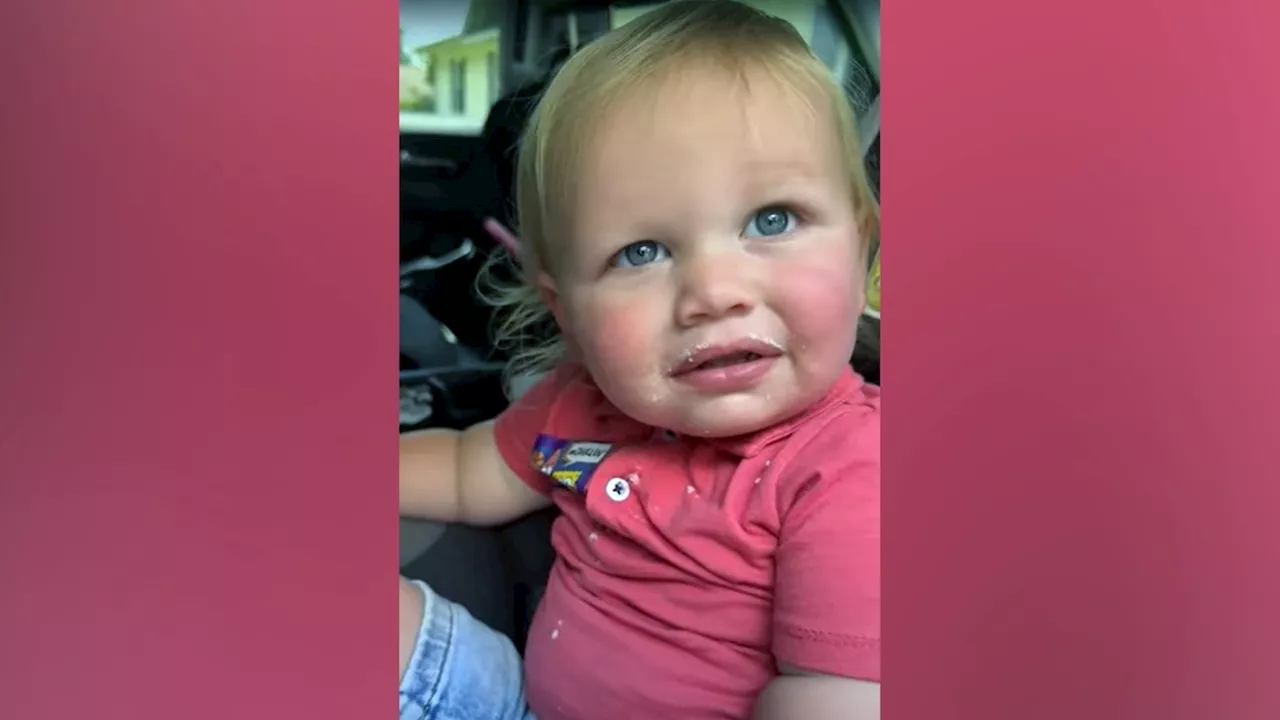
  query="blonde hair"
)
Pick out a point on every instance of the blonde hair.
point(725, 33)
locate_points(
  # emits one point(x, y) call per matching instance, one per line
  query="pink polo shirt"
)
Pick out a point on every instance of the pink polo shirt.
point(687, 568)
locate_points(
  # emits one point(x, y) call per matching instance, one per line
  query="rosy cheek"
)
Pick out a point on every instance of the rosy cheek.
point(615, 335)
point(820, 301)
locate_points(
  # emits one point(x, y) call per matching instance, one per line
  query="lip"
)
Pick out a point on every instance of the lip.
point(727, 378)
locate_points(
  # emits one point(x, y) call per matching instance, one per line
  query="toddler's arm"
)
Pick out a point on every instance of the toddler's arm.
point(459, 476)
point(411, 606)
point(796, 695)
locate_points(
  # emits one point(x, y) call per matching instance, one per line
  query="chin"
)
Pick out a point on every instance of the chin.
point(730, 416)
point(682, 410)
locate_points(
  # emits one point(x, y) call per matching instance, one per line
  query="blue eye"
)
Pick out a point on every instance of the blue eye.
point(769, 222)
point(640, 253)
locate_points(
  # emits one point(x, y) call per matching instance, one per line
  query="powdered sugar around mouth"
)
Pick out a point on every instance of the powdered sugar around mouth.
point(748, 347)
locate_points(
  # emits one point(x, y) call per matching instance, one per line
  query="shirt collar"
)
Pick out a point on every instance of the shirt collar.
point(847, 385)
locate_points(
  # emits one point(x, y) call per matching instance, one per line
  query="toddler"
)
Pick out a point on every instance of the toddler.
point(695, 217)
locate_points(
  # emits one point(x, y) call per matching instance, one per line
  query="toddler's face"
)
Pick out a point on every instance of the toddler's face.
point(713, 275)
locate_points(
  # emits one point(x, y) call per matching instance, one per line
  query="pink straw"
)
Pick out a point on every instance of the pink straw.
point(503, 236)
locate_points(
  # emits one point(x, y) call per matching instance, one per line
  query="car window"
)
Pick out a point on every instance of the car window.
point(449, 65)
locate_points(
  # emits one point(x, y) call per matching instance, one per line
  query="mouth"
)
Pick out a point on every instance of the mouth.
point(717, 357)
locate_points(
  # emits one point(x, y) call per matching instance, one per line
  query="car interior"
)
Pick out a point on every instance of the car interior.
point(470, 73)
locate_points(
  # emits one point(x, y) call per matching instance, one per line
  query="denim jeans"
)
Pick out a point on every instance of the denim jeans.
point(461, 669)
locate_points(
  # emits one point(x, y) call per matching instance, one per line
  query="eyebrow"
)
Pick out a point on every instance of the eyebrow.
point(779, 173)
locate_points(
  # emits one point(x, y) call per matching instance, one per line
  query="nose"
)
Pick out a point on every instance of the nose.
point(714, 286)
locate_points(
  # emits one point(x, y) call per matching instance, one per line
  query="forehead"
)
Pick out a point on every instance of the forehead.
point(703, 130)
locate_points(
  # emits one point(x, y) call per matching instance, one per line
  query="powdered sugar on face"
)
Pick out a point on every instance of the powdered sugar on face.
point(689, 171)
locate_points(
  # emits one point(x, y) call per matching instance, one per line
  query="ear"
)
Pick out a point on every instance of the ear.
point(867, 257)
point(551, 297)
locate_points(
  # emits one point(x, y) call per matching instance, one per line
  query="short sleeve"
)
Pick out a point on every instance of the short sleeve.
point(827, 587)
point(517, 427)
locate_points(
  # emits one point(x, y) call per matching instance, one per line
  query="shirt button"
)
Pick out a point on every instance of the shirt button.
point(618, 489)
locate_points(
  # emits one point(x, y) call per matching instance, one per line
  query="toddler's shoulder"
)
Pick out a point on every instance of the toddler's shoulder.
point(564, 384)
point(565, 400)
point(835, 451)
point(563, 403)
point(848, 431)
point(843, 435)
point(827, 573)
